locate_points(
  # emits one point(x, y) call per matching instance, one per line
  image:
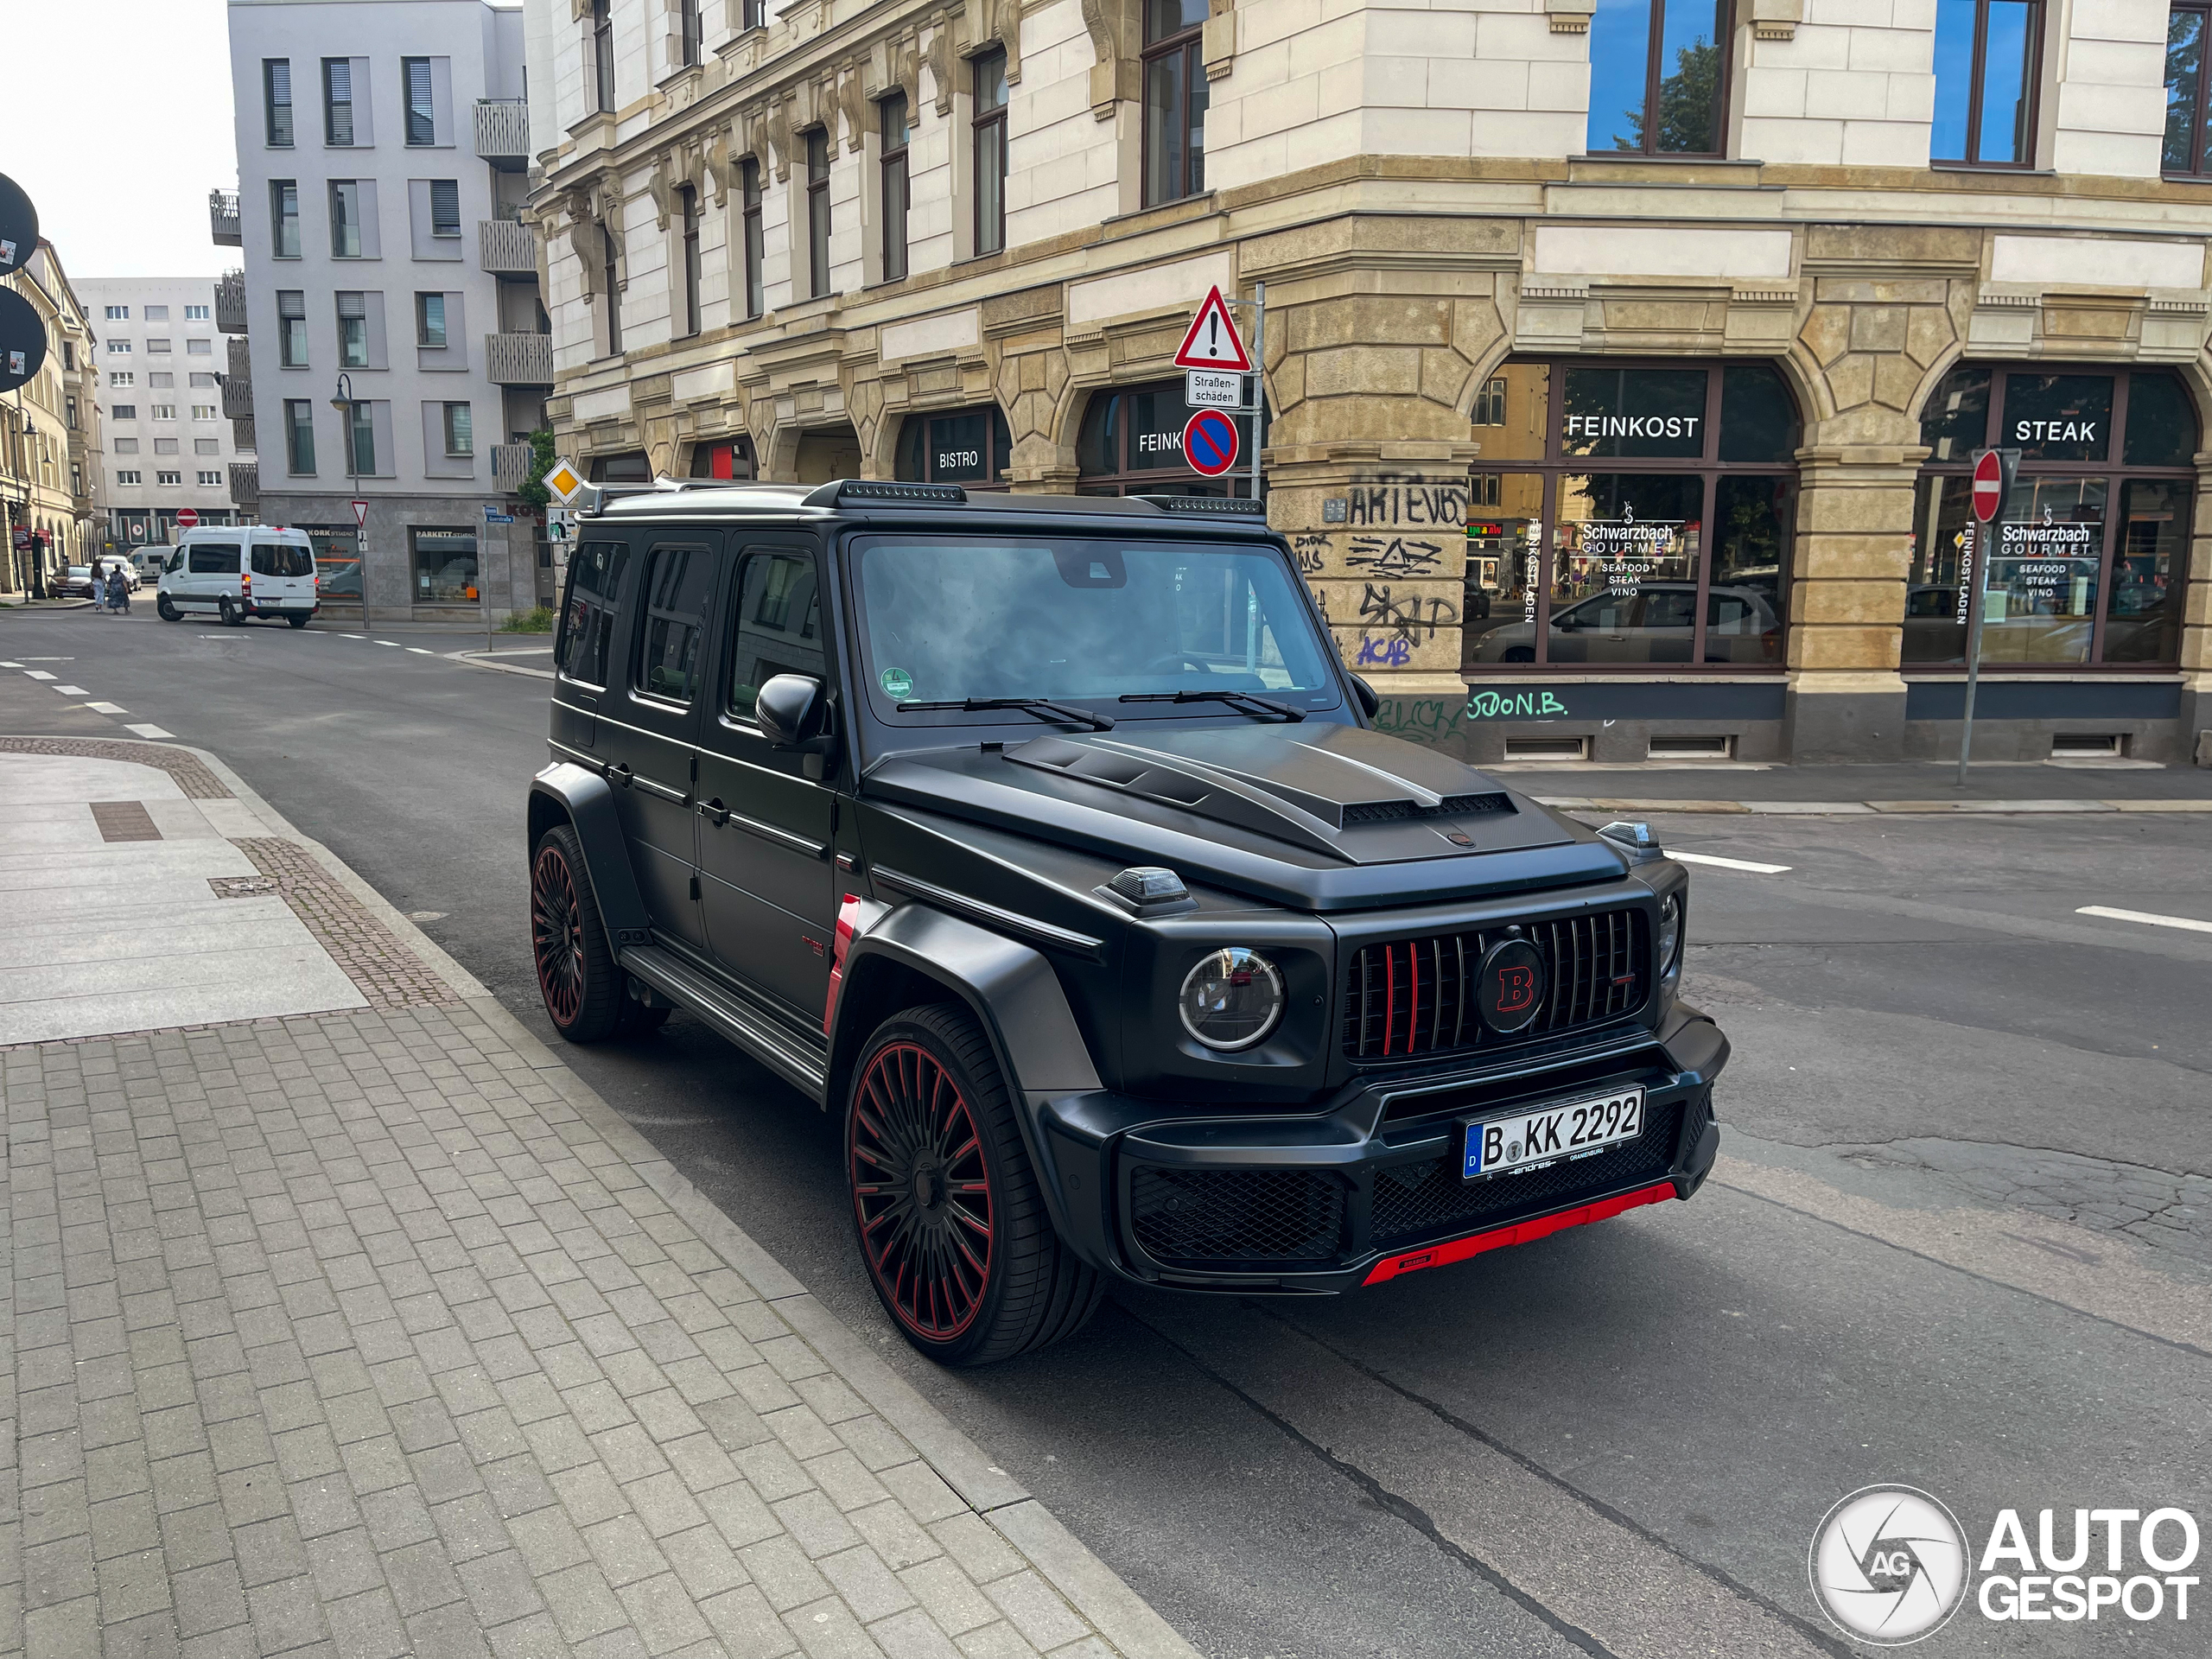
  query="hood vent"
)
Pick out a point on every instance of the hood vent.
point(1451, 806)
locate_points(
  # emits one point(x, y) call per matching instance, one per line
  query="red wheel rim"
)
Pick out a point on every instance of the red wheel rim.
point(556, 936)
point(920, 1191)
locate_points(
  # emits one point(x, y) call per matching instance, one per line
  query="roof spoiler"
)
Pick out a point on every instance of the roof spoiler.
point(1237, 506)
point(838, 491)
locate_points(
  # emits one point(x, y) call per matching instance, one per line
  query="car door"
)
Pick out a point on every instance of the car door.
point(655, 768)
point(765, 828)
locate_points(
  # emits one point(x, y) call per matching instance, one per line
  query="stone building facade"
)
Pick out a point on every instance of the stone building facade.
point(1620, 398)
point(50, 481)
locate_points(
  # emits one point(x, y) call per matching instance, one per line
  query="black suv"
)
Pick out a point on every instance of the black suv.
point(1047, 842)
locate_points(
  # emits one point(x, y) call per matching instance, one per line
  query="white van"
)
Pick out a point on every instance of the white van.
point(235, 571)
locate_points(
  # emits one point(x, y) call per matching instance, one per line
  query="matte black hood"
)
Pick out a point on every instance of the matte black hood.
point(1318, 815)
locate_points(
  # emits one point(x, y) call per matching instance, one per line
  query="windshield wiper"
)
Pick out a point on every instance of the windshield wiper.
point(1037, 706)
point(1244, 701)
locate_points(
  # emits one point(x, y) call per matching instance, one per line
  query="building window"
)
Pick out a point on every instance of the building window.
point(158, 347)
point(119, 313)
point(169, 479)
point(157, 313)
point(284, 218)
point(1670, 496)
point(337, 101)
point(125, 446)
point(1175, 100)
point(161, 380)
point(817, 212)
point(1131, 443)
point(897, 195)
point(353, 331)
point(122, 378)
point(198, 348)
point(203, 411)
point(445, 207)
point(2089, 563)
point(299, 437)
point(202, 381)
point(361, 439)
point(162, 411)
point(602, 54)
point(123, 412)
point(749, 196)
point(206, 446)
point(460, 434)
point(755, 14)
point(688, 200)
point(990, 152)
point(276, 102)
point(422, 112)
point(1490, 402)
point(205, 477)
point(127, 476)
point(195, 314)
point(690, 31)
point(292, 328)
point(345, 218)
point(1987, 56)
point(71, 404)
point(430, 322)
point(2186, 28)
point(609, 274)
point(732, 460)
point(1657, 77)
point(118, 348)
point(445, 565)
point(967, 445)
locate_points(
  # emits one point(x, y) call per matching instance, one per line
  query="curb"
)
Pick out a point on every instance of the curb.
point(481, 659)
point(1804, 808)
point(1087, 1584)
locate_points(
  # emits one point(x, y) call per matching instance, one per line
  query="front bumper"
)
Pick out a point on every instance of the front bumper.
point(1369, 1189)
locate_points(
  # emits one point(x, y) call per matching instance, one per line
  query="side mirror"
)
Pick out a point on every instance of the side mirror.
point(1369, 705)
point(794, 711)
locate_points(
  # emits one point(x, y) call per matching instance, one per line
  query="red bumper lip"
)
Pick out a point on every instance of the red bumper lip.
point(1518, 1232)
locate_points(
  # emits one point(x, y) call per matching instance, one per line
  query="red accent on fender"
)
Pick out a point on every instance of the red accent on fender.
point(849, 910)
point(1521, 1232)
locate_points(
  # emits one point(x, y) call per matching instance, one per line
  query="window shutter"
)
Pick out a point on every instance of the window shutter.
point(445, 207)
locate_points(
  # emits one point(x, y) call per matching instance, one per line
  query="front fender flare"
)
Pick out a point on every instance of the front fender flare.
point(588, 803)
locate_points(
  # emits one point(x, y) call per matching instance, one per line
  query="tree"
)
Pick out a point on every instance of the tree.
point(542, 458)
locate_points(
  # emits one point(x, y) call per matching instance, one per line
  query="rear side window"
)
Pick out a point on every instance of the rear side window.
point(678, 583)
point(594, 603)
point(282, 559)
point(779, 626)
point(221, 559)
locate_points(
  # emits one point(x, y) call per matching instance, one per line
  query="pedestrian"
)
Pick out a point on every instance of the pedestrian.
point(118, 589)
point(98, 587)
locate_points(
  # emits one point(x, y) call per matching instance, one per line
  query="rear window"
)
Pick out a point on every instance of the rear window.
point(282, 559)
point(219, 559)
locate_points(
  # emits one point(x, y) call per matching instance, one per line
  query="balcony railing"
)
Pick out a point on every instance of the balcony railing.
point(519, 360)
point(506, 247)
point(245, 485)
point(222, 217)
point(237, 388)
point(503, 132)
point(510, 466)
point(242, 434)
point(230, 303)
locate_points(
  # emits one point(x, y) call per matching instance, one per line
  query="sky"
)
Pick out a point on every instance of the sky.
point(119, 124)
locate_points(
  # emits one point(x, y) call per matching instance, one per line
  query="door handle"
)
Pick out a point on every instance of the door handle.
point(620, 774)
point(714, 809)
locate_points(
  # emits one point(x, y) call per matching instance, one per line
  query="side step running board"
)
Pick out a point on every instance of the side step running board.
point(789, 1057)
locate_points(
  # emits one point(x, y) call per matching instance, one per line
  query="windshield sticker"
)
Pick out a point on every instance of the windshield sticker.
point(898, 682)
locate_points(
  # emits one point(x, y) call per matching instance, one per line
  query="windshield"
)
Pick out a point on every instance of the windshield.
point(945, 618)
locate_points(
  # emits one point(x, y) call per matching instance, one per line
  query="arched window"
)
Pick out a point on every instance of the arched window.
point(962, 446)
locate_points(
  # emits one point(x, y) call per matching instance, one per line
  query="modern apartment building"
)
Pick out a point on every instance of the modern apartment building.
point(49, 440)
point(394, 344)
point(1625, 360)
point(160, 371)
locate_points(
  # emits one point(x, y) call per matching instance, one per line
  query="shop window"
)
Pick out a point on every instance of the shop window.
point(1175, 100)
point(625, 467)
point(2089, 558)
point(445, 565)
point(1988, 55)
point(1131, 443)
point(731, 460)
point(969, 446)
point(2184, 152)
point(1670, 493)
point(1658, 77)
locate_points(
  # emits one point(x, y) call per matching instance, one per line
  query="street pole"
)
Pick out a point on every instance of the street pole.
point(1259, 376)
point(1978, 580)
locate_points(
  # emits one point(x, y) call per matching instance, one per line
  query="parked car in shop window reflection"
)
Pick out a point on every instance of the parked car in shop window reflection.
point(1657, 624)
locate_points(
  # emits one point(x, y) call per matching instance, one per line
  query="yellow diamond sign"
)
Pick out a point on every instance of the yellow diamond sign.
point(565, 482)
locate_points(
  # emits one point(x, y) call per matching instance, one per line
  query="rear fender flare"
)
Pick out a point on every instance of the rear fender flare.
point(565, 790)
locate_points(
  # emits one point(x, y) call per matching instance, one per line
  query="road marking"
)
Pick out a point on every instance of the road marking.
point(2144, 916)
point(107, 708)
point(11, 664)
point(146, 730)
point(352, 636)
point(1730, 863)
point(394, 643)
point(420, 652)
point(73, 691)
point(37, 674)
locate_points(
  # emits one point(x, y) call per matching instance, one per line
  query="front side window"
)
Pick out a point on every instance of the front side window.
point(2184, 151)
point(460, 432)
point(284, 218)
point(602, 54)
point(897, 195)
point(422, 112)
point(1175, 100)
point(749, 193)
point(353, 331)
point(990, 152)
point(945, 619)
point(677, 581)
point(337, 101)
point(688, 197)
point(276, 102)
point(430, 320)
point(779, 626)
point(817, 212)
point(292, 328)
point(1987, 58)
point(299, 436)
point(345, 218)
point(595, 605)
point(2089, 559)
point(1657, 77)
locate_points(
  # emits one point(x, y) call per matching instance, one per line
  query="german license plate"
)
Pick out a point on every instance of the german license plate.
point(1507, 1145)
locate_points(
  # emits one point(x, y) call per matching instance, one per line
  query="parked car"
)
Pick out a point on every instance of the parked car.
point(1654, 624)
point(147, 562)
point(74, 582)
point(1048, 843)
point(236, 571)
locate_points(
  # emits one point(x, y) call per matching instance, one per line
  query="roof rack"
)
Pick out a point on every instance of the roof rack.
point(1235, 505)
point(602, 493)
point(839, 491)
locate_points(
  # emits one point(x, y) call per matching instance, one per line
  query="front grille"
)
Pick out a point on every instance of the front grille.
point(1193, 1217)
point(1412, 997)
point(1413, 1201)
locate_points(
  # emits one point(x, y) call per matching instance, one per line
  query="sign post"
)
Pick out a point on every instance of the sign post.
point(1993, 483)
point(1212, 353)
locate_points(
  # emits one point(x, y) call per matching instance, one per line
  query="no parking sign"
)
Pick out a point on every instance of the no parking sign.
point(1209, 442)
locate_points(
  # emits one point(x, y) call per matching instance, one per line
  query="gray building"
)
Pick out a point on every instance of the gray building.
point(394, 350)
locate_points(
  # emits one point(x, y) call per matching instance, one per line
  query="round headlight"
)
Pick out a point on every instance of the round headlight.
point(1670, 934)
point(1231, 999)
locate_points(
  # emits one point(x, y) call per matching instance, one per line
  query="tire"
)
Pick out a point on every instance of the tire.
point(298, 621)
point(946, 1208)
point(166, 610)
point(1518, 654)
point(227, 609)
point(576, 973)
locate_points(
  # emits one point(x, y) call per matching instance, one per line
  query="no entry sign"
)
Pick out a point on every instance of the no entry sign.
point(186, 517)
point(1988, 485)
point(1209, 442)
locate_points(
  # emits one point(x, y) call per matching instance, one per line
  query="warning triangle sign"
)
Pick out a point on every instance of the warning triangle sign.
point(1213, 342)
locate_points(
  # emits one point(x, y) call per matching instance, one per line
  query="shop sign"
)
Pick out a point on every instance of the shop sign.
point(957, 452)
point(1621, 552)
point(1587, 426)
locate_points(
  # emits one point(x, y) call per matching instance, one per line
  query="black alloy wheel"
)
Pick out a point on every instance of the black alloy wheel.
point(576, 973)
point(945, 1206)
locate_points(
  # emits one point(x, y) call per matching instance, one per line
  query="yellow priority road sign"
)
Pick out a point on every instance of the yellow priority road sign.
point(564, 481)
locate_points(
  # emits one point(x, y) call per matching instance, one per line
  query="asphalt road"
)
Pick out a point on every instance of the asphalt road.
point(1962, 1237)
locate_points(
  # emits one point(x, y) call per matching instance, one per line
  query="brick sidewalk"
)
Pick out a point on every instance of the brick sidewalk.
point(374, 1332)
